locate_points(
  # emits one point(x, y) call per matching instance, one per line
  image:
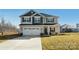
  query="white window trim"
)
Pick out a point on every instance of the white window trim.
point(26, 21)
point(37, 19)
point(51, 19)
point(26, 17)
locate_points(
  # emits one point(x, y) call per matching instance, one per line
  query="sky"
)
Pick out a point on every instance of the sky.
point(66, 16)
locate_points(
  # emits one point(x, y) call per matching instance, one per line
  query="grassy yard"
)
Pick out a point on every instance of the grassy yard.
point(65, 41)
point(8, 35)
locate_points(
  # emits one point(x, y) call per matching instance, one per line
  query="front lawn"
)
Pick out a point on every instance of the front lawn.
point(65, 41)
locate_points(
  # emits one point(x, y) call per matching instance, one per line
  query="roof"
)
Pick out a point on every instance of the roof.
point(46, 15)
point(66, 26)
point(31, 12)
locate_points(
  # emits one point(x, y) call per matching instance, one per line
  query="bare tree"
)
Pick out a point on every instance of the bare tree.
point(6, 27)
point(2, 26)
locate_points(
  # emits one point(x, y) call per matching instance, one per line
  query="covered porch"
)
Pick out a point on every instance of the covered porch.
point(49, 30)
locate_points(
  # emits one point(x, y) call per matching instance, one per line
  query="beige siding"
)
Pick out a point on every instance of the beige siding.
point(57, 28)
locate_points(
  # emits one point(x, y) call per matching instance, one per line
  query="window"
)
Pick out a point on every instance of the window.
point(37, 20)
point(52, 29)
point(23, 20)
point(49, 19)
point(27, 19)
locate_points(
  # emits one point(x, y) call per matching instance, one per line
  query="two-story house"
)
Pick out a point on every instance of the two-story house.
point(33, 23)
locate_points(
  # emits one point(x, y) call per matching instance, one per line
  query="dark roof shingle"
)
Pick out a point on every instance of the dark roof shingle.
point(31, 12)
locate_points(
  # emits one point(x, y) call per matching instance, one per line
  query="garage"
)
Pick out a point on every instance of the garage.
point(32, 31)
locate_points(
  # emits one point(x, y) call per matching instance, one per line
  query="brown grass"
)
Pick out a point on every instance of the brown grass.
point(67, 41)
point(8, 35)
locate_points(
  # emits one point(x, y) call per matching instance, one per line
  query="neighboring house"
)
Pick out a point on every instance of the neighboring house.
point(69, 28)
point(33, 23)
point(77, 26)
point(66, 28)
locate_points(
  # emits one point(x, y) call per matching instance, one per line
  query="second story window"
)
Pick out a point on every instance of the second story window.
point(37, 20)
point(23, 20)
point(49, 19)
point(28, 19)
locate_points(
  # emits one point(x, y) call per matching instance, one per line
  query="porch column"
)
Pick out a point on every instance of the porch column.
point(48, 30)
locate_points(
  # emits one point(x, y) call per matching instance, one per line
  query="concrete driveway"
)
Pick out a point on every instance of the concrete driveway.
point(22, 43)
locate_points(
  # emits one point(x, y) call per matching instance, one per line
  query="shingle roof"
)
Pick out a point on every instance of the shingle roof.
point(66, 26)
point(46, 14)
point(31, 12)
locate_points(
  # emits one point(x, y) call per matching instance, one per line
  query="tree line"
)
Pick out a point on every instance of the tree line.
point(6, 27)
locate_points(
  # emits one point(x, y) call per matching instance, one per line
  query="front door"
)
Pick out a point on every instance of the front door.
point(45, 31)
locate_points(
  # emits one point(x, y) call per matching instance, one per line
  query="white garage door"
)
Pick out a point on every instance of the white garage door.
point(31, 31)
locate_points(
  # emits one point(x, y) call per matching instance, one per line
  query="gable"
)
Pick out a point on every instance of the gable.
point(31, 12)
point(37, 15)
